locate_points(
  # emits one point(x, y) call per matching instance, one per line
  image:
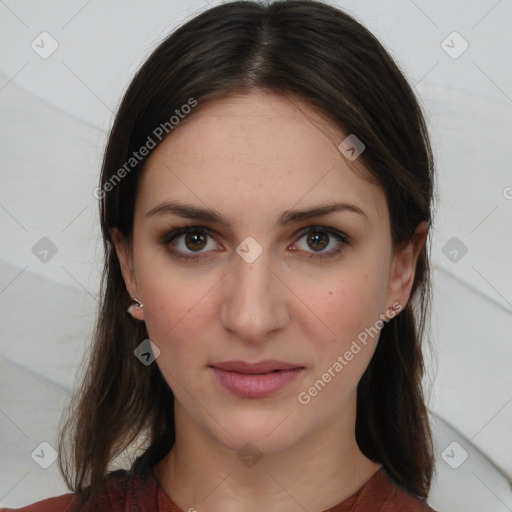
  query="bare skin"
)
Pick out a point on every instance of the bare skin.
point(250, 158)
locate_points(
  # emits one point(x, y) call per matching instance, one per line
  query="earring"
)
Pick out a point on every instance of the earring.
point(393, 310)
point(136, 304)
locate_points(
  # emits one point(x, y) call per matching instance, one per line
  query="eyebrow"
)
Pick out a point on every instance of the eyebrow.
point(287, 217)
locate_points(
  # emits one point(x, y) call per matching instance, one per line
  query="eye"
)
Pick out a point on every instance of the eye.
point(192, 244)
point(194, 239)
point(318, 238)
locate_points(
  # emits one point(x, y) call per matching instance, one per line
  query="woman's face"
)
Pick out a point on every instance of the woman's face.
point(257, 286)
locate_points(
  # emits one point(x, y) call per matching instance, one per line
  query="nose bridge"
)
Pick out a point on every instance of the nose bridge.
point(254, 304)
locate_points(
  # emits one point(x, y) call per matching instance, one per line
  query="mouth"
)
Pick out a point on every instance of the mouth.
point(255, 380)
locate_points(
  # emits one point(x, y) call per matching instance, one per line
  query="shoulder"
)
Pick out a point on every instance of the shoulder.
point(118, 489)
point(382, 494)
point(395, 498)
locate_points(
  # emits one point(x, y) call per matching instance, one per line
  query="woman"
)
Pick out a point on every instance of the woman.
point(265, 201)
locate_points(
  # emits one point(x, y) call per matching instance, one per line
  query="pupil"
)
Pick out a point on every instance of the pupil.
point(317, 240)
point(194, 238)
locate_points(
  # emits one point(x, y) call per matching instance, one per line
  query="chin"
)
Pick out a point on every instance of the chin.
point(267, 432)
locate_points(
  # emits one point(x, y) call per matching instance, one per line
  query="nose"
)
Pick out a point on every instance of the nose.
point(255, 301)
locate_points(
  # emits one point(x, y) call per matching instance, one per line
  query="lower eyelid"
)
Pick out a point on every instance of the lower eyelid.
point(170, 239)
point(333, 235)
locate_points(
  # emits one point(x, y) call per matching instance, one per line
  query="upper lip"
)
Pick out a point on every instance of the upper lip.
point(266, 366)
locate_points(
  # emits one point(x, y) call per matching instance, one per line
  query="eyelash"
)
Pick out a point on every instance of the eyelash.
point(171, 236)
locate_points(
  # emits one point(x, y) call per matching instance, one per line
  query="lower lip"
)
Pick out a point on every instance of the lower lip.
point(255, 386)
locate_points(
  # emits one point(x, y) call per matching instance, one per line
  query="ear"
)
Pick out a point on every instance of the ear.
point(125, 257)
point(403, 267)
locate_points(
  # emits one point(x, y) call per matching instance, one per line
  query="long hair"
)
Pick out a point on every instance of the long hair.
point(316, 52)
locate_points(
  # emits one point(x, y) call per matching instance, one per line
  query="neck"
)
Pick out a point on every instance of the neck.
point(324, 469)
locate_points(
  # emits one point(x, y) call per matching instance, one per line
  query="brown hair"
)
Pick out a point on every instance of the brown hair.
point(318, 53)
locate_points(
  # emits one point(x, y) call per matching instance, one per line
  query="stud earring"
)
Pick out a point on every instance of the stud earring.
point(136, 304)
point(393, 310)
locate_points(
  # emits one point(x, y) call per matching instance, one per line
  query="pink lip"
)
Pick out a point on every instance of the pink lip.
point(255, 380)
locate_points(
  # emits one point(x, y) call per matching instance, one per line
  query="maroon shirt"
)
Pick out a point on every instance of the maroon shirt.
point(140, 492)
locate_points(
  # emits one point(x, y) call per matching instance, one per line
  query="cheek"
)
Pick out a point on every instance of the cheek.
point(177, 309)
point(352, 302)
point(175, 315)
point(349, 305)
point(175, 323)
point(342, 353)
point(169, 294)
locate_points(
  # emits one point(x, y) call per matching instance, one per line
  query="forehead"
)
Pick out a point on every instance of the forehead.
point(256, 150)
